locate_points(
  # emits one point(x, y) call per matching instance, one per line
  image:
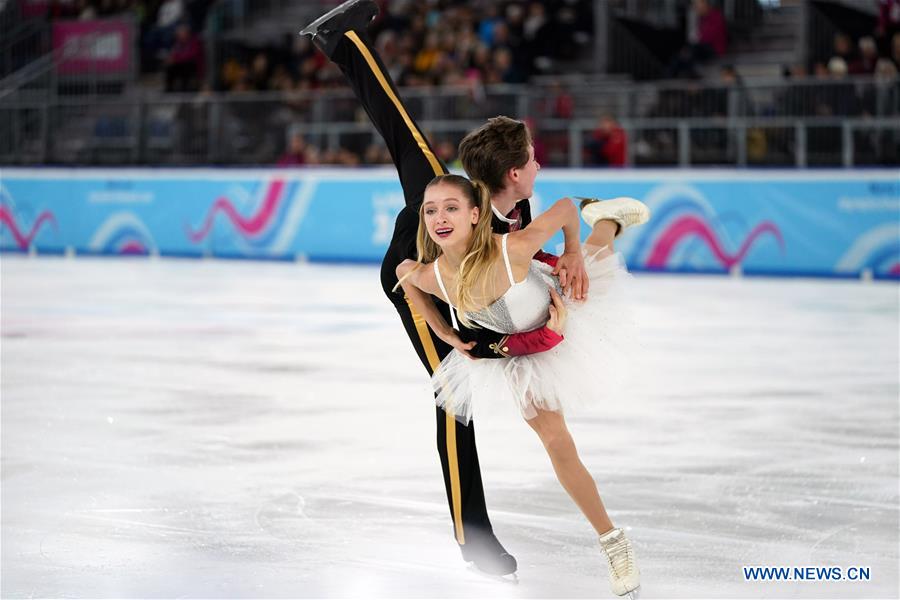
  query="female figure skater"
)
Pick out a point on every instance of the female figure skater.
point(492, 281)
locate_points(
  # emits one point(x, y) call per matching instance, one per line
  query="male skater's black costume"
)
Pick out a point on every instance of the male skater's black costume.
point(341, 35)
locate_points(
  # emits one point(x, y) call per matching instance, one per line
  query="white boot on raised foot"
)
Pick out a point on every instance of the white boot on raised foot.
point(624, 576)
point(625, 212)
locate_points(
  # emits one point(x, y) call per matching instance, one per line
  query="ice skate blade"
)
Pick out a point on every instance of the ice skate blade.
point(633, 594)
point(511, 579)
point(313, 27)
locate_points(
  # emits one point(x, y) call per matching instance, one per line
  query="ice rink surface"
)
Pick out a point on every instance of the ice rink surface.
point(215, 429)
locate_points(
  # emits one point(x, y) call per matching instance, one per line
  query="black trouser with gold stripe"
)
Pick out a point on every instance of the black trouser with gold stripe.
point(416, 164)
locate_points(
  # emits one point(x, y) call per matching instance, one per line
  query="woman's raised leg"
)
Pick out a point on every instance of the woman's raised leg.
point(602, 236)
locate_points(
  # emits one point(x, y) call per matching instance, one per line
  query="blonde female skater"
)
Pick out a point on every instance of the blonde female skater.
point(492, 281)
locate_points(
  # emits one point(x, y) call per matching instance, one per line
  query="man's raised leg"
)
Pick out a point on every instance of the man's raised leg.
point(342, 37)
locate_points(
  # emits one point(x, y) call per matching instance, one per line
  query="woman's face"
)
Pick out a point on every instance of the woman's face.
point(448, 214)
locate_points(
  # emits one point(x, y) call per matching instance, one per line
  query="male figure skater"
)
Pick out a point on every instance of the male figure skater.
point(341, 35)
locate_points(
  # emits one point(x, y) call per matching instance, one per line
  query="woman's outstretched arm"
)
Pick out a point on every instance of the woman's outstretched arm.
point(409, 277)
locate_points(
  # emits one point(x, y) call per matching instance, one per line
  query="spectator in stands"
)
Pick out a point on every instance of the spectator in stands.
point(170, 13)
point(259, 72)
point(558, 102)
point(868, 56)
point(479, 62)
point(712, 31)
point(505, 67)
point(184, 64)
point(446, 151)
point(895, 50)
point(842, 100)
point(881, 99)
point(566, 33)
point(538, 36)
point(427, 58)
point(608, 144)
point(160, 38)
point(281, 79)
point(888, 21)
point(86, 11)
point(535, 22)
point(295, 154)
point(707, 39)
point(885, 71)
point(843, 48)
point(232, 72)
point(488, 23)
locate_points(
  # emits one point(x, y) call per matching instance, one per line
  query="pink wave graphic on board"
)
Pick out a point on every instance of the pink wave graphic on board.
point(24, 241)
point(246, 226)
point(895, 270)
point(132, 247)
point(691, 225)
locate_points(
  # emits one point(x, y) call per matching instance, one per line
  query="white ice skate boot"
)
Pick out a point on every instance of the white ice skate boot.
point(624, 576)
point(626, 212)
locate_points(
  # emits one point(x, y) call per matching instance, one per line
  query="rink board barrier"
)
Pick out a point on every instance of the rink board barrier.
point(816, 223)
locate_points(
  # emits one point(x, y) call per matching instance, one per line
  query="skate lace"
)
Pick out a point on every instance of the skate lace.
point(620, 556)
point(631, 216)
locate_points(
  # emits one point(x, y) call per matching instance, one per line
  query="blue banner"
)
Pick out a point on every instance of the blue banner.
point(821, 223)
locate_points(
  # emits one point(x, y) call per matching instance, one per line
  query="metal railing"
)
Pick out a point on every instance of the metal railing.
point(677, 124)
point(808, 97)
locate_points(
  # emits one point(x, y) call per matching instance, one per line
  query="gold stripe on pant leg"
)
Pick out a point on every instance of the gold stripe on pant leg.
point(452, 459)
point(421, 327)
point(417, 135)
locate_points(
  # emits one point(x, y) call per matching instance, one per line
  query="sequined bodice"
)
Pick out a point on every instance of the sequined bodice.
point(523, 307)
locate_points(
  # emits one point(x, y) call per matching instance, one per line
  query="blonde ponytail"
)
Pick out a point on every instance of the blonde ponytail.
point(477, 265)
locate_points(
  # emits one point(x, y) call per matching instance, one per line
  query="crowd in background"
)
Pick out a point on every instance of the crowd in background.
point(473, 44)
point(433, 44)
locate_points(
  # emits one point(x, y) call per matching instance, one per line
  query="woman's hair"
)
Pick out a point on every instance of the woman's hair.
point(478, 262)
point(480, 253)
point(490, 151)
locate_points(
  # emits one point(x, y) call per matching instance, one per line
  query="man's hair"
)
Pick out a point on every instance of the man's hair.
point(493, 149)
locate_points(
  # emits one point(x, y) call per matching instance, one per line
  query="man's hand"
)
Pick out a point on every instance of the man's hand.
point(572, 275)
point(453, 339)
point(558, 313)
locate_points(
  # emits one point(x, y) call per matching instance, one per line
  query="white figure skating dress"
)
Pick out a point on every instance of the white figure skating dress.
point(588, 367)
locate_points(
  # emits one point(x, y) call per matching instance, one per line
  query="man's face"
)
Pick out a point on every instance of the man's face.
point(526, 176)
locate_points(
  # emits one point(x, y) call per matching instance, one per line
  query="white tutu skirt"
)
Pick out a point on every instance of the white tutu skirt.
point(589, 367)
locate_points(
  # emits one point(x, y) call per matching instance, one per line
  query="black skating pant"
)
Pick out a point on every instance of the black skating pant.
point(417, 164)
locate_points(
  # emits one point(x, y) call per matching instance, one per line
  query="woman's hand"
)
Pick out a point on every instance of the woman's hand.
point(558, 313)
point(452, 338)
